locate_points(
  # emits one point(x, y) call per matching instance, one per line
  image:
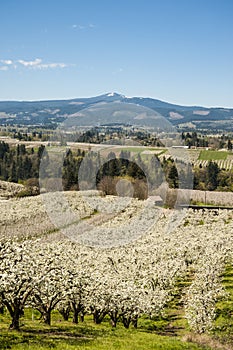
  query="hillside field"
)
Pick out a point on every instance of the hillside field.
point(176, 278)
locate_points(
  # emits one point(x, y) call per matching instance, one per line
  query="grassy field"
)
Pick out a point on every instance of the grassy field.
point(212, 155)
point(88, 336)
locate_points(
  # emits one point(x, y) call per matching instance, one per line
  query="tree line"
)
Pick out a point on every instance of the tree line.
point(212, 178)
point(192, 139)
point(142, 174)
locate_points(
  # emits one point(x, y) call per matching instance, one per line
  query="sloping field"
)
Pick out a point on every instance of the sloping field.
point(224, 159)
point(171, 271)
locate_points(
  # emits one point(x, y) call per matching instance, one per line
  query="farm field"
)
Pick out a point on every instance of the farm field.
point(224, 159)
point(163, 333)
point(116, 175)
point(198, 157)
point(144, 151)
point(125, 264)
point(213, 155)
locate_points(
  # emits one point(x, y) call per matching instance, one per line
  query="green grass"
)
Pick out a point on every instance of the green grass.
point(224, 320)
point(88, 336)
point(212, 155)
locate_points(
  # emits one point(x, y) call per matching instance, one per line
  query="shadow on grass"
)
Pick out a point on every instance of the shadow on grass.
point(7, 342)
point(164, 326)
point(50, 337)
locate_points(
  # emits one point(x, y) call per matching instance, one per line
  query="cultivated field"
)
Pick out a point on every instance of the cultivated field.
point(149, 273)
point(224, 159)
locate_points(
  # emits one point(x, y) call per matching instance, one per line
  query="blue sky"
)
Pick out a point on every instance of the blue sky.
point(180, 51)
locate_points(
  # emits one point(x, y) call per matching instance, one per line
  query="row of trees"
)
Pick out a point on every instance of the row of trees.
point(95, 135)
point(21, 164)
point(145, 174)
point(124, 282)
point(192, 139)
point(56, 277)
point(213, 178)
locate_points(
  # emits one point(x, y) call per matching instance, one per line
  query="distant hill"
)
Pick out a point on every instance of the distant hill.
point(51, 113)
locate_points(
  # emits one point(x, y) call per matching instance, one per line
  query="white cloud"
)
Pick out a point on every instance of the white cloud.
point(8, 62)
point(81, 27)
point(78, 26)
point(4, 68)
point(51, 65)
point(34, 63)
point(38, 64)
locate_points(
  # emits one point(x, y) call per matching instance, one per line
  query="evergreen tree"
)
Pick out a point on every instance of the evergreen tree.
point(229, 145)
point(13, 173)
point(212, 175)
point(173, 177)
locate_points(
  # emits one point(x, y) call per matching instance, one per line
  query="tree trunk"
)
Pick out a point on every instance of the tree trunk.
point(126, 321)
point(135, 322)
point(15, 316)
point(15, 309)
point(75, 316)
point(77, 309)
point(2, 309)
point(47, 317)
point(15, 322)
point(114, 317)
point(98, 316)
point(65, 312)
point(65, 316)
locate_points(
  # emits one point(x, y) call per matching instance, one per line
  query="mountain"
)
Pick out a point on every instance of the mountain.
point(52, 112)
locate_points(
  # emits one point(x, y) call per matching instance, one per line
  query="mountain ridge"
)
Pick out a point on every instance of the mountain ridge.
point(45, 112)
